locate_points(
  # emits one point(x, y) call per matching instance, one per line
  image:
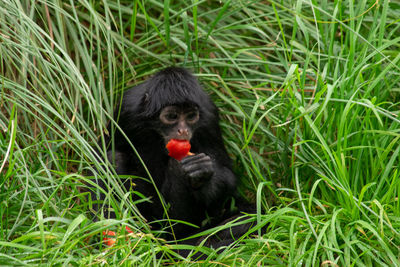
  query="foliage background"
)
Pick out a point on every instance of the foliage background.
point(308, 92)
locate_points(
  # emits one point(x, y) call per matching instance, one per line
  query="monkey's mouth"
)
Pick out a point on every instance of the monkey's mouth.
point(179, 138)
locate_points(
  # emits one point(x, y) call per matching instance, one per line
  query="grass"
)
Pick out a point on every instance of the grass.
point(309, 95)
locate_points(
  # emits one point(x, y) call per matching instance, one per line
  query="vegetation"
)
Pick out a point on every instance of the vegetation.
point(309, 99)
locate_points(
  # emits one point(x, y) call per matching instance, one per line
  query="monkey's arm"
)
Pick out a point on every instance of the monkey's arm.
point(208, 179)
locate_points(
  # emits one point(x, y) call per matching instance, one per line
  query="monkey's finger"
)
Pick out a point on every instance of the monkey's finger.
point(198, 160)
point(201, 173)
point(204, 167)
point(195, 157)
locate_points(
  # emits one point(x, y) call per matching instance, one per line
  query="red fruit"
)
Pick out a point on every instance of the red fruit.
point(107, 239)
point(178, 149)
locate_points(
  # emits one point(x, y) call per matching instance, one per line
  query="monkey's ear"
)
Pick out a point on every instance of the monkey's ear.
point(145, 103)
point(146, 97)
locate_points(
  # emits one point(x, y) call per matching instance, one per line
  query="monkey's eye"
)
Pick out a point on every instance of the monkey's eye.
point(169, 117)
point(192, 117)
point(172, 116)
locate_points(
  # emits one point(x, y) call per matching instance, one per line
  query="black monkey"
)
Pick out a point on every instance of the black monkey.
point(172, 105)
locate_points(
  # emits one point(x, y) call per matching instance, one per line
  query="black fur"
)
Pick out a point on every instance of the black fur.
point(204, 197)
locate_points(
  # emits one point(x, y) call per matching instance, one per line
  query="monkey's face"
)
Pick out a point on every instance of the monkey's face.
point(178, 122)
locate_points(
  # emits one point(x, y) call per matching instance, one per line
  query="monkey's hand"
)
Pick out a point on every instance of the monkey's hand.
point(199, 168)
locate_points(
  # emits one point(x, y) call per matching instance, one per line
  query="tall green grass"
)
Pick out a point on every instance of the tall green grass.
point(309, 98)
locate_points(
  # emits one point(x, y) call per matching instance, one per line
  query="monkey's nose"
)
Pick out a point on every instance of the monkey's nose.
point(183, 132)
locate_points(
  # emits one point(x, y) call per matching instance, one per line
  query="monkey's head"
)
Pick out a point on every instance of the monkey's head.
point(173, 104)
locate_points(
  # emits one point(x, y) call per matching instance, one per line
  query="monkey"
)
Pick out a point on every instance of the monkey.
point(197, 189)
